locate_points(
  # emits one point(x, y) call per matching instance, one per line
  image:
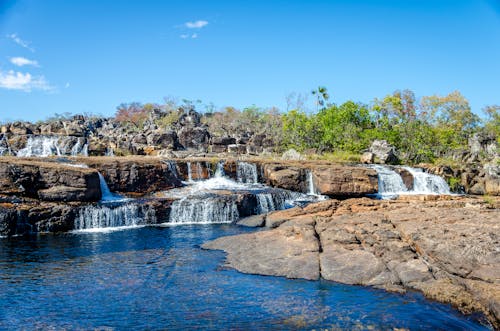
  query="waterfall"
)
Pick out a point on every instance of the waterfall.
point(425, 183)
point(203, 210)
point(109, 152)
point(389, 181)
point(40, 146)
point(199, 171)
point(106, 194)
point(4, 146)
point(190, 175)
point(276, 199)
point(172, 167)
point(219, 171)
point(247, 173)
point(310, 182)
point(265, 203)
point(391, 184)
point(43, 146)
point(109, 216)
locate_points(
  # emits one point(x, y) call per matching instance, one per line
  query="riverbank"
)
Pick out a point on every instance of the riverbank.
point(445, 247)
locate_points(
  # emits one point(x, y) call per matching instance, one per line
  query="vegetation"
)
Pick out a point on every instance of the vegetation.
point(428, 129)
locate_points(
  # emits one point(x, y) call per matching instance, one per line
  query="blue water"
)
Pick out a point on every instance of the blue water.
point(160, 278)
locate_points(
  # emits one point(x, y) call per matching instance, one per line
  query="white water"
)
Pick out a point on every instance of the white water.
point(102, 217)
point(190, 174)
point(40, 146)
point(43, 146)
point(425, 183)
point(4, 147)
point(310, 182)
point(106, 194)
point(390, 183)
point(265, 203)
point(203, 210)
point(219, 171)
point(247, 173)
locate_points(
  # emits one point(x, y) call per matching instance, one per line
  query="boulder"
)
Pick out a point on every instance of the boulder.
point(194, 138)
point(384, 152)
point(367, 158)
point(223, 141)
point(345, 181)
point(253, 221)
point(292, 154)
point(288, 178)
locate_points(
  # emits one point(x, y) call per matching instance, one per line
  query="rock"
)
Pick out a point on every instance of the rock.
point(253, 221)
point(163, 140)
point(292, 154)
point(286, 177)
point(445, 248)
point(28, 178)
point(289, 251)
point(238, 149)
point(195, 138)
point(478, 189)
point(223, 141)
point(356, 267)
point(407, 177)
point(367, 158)
point(384, 151)
point(65, 193)
point(343, 181)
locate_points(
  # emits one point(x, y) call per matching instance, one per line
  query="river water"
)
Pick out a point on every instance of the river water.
point(160, 278)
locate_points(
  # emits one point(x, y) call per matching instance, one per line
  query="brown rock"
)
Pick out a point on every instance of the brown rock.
point(340, 181)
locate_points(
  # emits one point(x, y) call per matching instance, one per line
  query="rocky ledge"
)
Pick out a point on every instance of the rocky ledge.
point(445, 247)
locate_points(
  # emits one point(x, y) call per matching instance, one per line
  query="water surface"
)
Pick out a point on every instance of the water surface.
point(159, 278)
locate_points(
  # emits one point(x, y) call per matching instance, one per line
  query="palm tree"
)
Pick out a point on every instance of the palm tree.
point(321, 95)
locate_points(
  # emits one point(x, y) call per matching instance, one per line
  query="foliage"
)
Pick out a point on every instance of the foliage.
point(455, 184)
point(134, 113)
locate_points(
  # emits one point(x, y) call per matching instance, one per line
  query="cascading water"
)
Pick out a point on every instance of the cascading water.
point(203, 210)
point(4, 146)
point(190, 174)
point(390, 183)
point(219, 171)
point(43, 146)
point(40, 146)
point(106, 194)
point(247, 173)
point(310, 182)
point(111, 216)
point(425, 183)
point(265, 203)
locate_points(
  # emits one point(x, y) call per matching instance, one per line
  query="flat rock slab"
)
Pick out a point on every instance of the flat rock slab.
point(291, 251)
point(447, 248)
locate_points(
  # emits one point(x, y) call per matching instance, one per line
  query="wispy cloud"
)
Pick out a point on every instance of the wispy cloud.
point(196, 24)
point(189, 36)
point(22, 61)
point(15, 80)
point(25, 44)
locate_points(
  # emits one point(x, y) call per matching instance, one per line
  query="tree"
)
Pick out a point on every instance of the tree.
point(321, 95)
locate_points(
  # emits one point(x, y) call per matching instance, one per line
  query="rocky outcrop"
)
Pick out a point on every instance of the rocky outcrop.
point(384, 152)
point(134, 174)
point(48, 180)
point(444, 247)
point(344, 181)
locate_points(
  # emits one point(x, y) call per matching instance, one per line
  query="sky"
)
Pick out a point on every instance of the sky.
point(90, 56)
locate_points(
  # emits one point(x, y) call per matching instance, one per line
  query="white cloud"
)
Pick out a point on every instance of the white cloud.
point(15, 80)
point(196, 24)
point(189, 36)
point(22, 61)
point(67, 85)
point(20, 42)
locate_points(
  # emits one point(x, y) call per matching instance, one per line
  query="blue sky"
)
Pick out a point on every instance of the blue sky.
point(90, 56)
